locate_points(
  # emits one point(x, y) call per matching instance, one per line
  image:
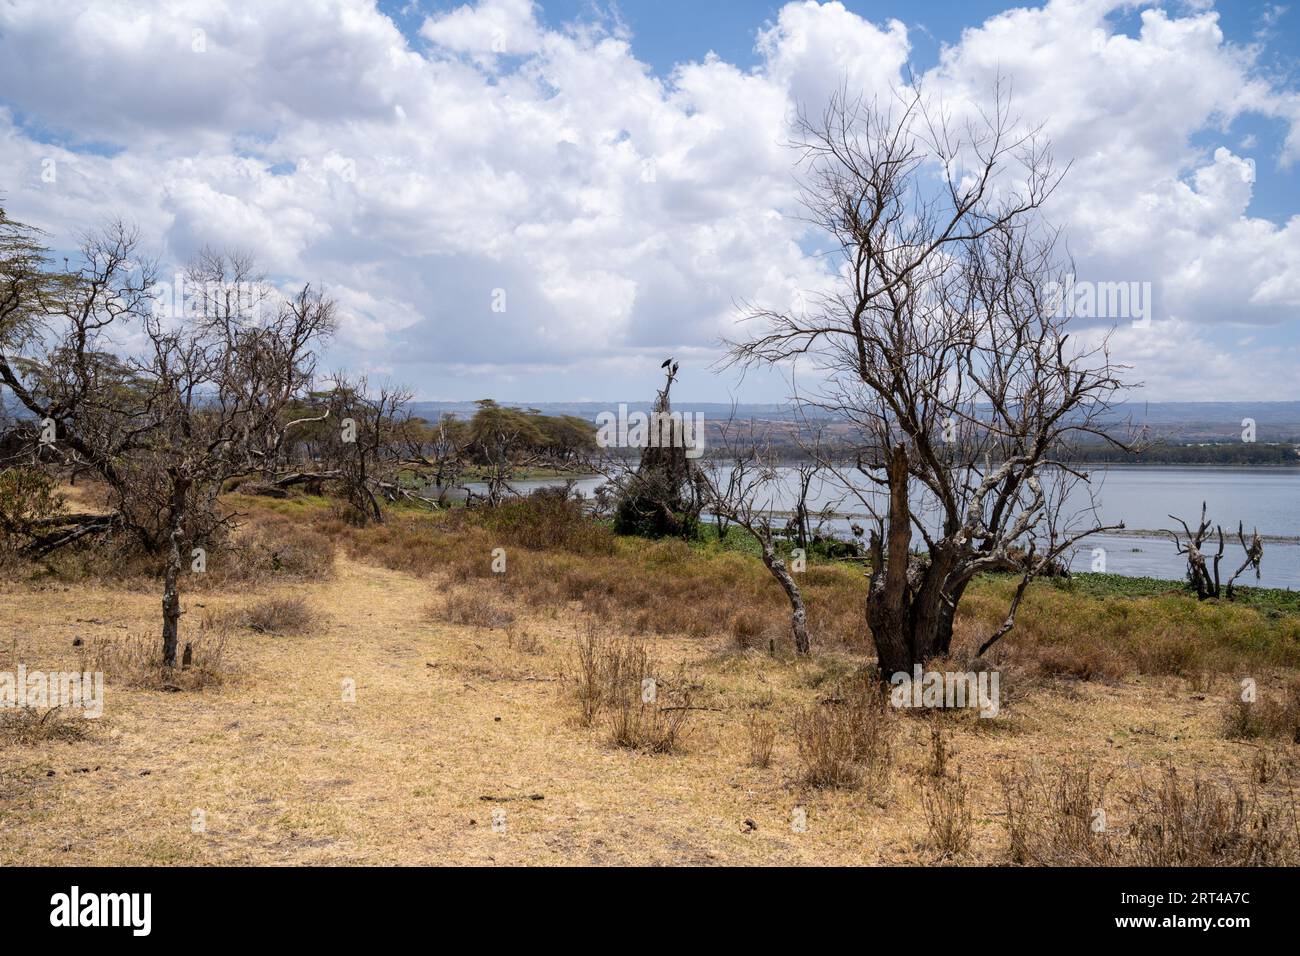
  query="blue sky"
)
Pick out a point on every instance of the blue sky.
point(617, 173)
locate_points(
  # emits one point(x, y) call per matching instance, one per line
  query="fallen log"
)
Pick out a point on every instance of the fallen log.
point(81, 526)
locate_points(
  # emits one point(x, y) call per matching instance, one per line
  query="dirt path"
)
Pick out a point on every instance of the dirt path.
point(285, 770)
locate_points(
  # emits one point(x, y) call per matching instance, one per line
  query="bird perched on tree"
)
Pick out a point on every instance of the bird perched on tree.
point(857, 530)
point(667, 362)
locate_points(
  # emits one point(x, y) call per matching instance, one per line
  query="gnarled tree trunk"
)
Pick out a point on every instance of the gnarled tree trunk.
point(889, 606)
point(171, 602)
point(912, 601)
point(798, 615)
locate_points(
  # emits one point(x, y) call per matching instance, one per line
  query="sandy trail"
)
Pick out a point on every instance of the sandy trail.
point(285, 771)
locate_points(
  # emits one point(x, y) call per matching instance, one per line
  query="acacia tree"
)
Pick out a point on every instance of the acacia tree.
point(34, 520)
point(24, 279)
point(58, 362)
point(365, 447)
point(436, 452)
point(939, 343)
point(741, 486)
point(503, 442)
point(374, 450)
point(164, 408)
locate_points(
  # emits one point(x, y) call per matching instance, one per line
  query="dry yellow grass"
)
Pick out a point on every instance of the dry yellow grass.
point(286, 771)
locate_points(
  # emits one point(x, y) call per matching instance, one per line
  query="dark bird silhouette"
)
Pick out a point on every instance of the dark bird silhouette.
point(674, 369)
point(188, 657)
point(857, 530)
point(667, 362)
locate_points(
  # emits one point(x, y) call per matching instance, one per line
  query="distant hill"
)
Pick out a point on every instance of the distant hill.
point(1167, 423)
point(713, 411)
point(1217, 421)
point(1173, 422)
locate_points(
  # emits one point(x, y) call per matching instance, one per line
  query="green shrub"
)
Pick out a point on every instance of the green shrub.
point(26, 496)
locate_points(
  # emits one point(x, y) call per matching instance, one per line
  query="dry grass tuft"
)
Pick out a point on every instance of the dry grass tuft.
point(546, 520)
point(618, 676)
point(24, 726)
point(270, 547)
point(642, 721)
point(762, 736)
point(940, 750)
point(136, 661)
point(825, 739)
point(526, 642)
point(1055, 821)
point(1203, 824)
point(948, 817)
point(1087, 662)
point(605, 666)
point(748, 629)
point(1068, 819)
point(847, 741)
point(1276, 716)
point(1266, 764)
point(476, 609)
point(279, 616)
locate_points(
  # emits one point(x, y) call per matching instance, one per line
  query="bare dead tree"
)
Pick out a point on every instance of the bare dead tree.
point(804, 472)
point(364, 451)
point(1202, 571)
point(809, 470)
point(214, 385)
point(1199, 575)
point(1254, 556)
point(742, 485)
point(166, 423)
point(939, 343)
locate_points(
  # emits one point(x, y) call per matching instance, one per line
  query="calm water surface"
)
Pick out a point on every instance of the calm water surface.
point(1143, 497)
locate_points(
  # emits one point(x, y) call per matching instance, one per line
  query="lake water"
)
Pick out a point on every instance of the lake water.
point(1143, 497)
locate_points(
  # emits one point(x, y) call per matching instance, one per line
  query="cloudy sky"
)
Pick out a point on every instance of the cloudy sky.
point(615, 174)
